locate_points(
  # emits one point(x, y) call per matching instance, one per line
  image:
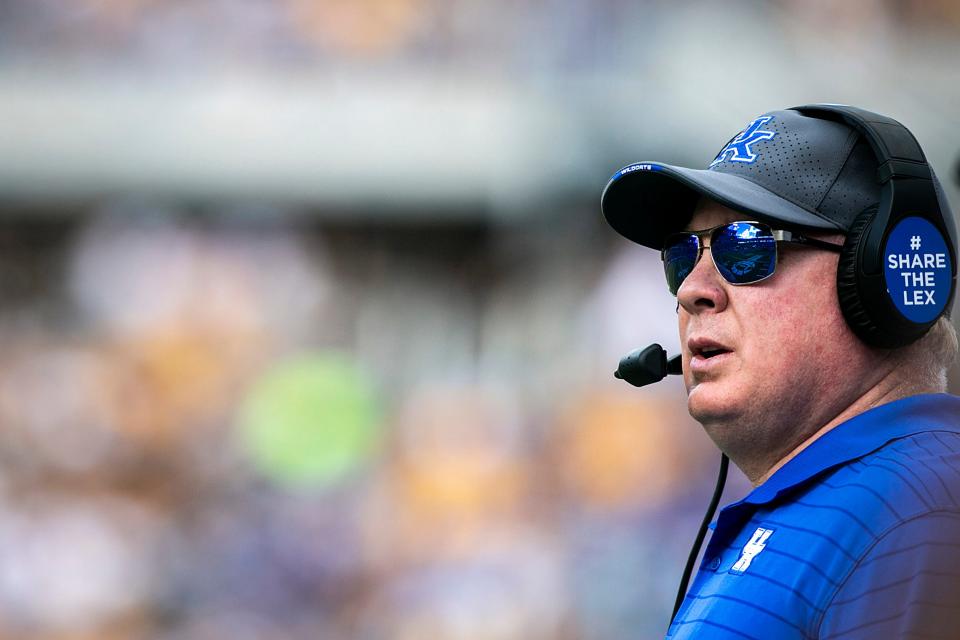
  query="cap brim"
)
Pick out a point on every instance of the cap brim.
point(647, 201)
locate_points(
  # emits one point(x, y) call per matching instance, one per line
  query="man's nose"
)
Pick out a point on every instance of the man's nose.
point(704, 289)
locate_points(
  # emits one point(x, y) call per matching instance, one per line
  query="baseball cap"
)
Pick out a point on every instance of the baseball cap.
point(783, 168)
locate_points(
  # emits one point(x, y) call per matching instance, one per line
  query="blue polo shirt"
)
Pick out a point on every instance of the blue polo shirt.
point(857, 537)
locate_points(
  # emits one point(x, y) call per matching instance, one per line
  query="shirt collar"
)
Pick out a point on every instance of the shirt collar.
point(859, 436)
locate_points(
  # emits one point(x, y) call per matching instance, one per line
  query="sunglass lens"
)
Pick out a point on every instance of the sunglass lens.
point(744, 252)
point(679, 257)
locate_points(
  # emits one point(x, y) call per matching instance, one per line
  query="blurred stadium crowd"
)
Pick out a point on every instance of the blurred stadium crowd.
point(498, 34)
point(249, 420)
point(261, 429)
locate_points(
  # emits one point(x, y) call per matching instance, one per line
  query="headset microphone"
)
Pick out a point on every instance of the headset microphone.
point(645, 366)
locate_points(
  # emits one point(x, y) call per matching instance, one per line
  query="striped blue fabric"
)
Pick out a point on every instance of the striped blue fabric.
point(857, 537)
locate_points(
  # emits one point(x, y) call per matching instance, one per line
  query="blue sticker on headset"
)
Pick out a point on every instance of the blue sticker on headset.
point(918, 269)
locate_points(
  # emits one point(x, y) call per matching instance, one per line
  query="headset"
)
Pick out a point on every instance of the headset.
point(898, 268)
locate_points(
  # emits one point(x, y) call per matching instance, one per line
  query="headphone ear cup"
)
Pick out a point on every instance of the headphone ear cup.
point(865, 300)
point(848, 286)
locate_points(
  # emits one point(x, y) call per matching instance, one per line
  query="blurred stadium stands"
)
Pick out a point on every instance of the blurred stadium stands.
point(308, 314)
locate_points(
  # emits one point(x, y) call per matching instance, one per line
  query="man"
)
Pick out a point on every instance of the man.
point(835, 412)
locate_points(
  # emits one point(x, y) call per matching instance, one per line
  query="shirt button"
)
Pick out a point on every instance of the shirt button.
point(714, 564)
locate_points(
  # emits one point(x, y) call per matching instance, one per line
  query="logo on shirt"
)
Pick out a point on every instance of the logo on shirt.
point(750, 550)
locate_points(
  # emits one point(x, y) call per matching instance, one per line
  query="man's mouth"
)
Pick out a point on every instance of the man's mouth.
point(711, 352)
point(705, 353)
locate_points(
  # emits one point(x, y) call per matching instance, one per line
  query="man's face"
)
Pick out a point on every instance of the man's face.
point(787, 362)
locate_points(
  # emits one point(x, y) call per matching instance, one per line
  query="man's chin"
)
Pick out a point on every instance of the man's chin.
point(711, 402)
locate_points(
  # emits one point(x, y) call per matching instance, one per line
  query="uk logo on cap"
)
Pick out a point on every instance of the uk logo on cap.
point(740, 149)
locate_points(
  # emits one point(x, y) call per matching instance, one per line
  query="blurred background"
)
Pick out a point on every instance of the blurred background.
point(308, 314)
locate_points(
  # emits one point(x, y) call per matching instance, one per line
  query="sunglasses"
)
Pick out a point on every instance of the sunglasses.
point(743, 252)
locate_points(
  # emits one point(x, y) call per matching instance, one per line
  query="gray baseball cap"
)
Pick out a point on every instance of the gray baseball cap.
point(783, 168)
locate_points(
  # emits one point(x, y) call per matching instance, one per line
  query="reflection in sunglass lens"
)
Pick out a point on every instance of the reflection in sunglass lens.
point(679, 258)
point(744, 252)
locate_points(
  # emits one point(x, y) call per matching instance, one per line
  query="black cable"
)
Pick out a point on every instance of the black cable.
point(701, 534)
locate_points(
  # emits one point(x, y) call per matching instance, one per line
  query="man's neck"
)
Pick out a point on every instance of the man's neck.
point(888, 390)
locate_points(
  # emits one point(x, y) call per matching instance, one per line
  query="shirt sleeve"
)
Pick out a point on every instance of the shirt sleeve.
point(906, 586)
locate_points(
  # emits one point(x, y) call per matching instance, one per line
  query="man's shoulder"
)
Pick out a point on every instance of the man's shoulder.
point(838, 516)
point(841, 515)
point(903, 579)
point(906, 477)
